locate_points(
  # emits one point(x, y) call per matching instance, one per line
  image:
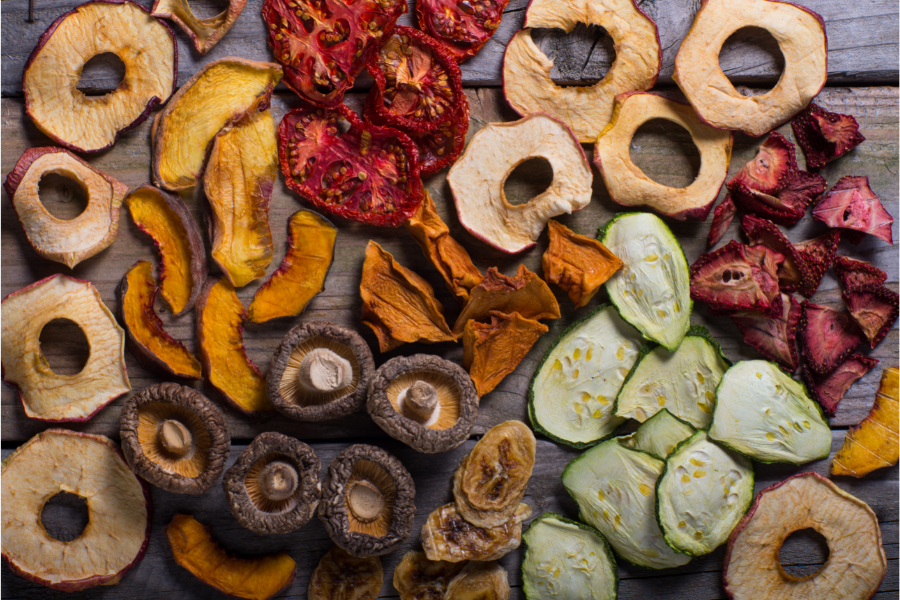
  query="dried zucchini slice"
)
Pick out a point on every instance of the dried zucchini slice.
point(658, 435)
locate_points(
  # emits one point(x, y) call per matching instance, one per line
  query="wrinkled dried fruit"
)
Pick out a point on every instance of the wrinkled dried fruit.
point(65, 241)
point(788, 205)
point(771, 168)
point(738, 277)
point(339, 576)
point(226, 367)
point(851, 204)
point(480, 581)
point(576, 263)
point(324, 44)
point(217, 96)
point(257, 578)
point(723, 214)
point(145, 45)
point(818, 254)
point(827, 337)
point(479, 193)
point(825, 136)
point(490, 481)
point(46, 395)
point(875, 310)
point(462, 27)
point(773, 337)
point(828, 391)
point(793, 272)
point(205, 33)
point(301, 275)
point(873, 443)
point(447, 536)
point(853, 274)
point(417, 578)
point(494, 350)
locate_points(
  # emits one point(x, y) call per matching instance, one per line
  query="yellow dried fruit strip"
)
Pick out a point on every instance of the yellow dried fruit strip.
point(578, 264)
point(873, 444)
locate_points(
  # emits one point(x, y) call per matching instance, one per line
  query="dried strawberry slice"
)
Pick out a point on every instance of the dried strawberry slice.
point(442, 147)
point(722, 217)
point(853, 273)
point(768, 172)
point(828, 391)
point(766, 205)
point(368, 174)
point(852, 204)
point(827, 336)
point(774, 338)
point(818, 254)
point(737, 277)
point(793, 272)
point(462, 26)
point(824, 136)
point(874, 308)
point(324, 44)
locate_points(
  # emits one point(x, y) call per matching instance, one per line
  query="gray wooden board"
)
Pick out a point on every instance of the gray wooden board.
point(158, 575)
point(862, 44)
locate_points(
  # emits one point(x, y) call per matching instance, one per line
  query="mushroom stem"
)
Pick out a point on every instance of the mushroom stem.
point(365, 500)
point(421, 399)
point(323, 370)
point(175, 437)
point(278, 480)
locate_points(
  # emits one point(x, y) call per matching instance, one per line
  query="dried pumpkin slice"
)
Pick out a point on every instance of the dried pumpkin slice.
point(67, 242)
point(446, 536)
point(301, 275)
point(216, 96)
point(205, 33)
point(491, 351)
point(46, 395)
point(149, 340)
point(238, 181)
point(182, 257)
point(873, 443)
point(586, 110)
point(576, 263)
point(257, 578)
point(225, 363)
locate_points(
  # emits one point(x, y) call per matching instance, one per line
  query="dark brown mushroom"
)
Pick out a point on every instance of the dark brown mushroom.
point(424, 401)
point(174, 438)
point(274, 486)
point(367, 501)
point(320, 371)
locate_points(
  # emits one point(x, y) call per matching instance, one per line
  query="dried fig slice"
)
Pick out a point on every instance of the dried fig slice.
point(67, 242)
point(818, 254)
point(482, 580)
point(301, 275)
point(205, 33)
point(825, 136)
point(446, 536)
point(238, 182)
point(875, 310)
point(828, 391)
point(738, 277)
point(149, 340)
point(827, 337)
point(417, 578)
point(341, 576)
point(723, 214)
point(793, 272)
point(851, 204)
point(490, 481)
point(479, 195)
point(773, 337)
point(145, 45)
point(118, 506)
point(853, 273)
point(586, 110)
point(226, 366)
point(576, 263)
point(462, 28)
point(491, 351)
point(46, 395)
point(184, 131)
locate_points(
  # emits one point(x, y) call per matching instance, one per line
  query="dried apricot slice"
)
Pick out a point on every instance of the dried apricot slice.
point(576, 263)
point(494, 350)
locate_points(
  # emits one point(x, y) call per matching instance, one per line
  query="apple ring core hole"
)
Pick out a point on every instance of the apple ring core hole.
point(756, 48)
point(581, 58)
point(63, 197)
point(64, 346)
point(803, 553)
point(65, 516)
point(101, 74)
point(531, 178)
point(666, 153)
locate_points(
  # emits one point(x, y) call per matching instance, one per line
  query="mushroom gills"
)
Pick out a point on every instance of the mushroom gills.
point(319, 371)
point(430, 399)
point(273, 483)
point(174, 438)
point(369, 496)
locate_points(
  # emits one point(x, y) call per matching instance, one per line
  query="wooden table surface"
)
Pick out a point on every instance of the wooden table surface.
point(862, 62)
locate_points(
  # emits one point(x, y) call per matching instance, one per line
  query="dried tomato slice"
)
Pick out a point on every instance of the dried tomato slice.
point(368, 174)
point(462, 26)
point(441, 147)
point(324, 44)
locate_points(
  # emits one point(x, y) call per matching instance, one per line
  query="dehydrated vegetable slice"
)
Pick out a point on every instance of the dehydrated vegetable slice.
point(827, 336)
point(417, 578)
point(301, 275)
point(818, 254)
point(723, 214)
point(441, 147)
point(462, 28)
point(851, 204)
point(340, 576)
point(447, 536)
point(738, 277)
point(72, 241)
point(183, 132)
point(875, 310)
point(145, 45)
point(257, 578)
point(46, 395)
point(205, 33)
point(491, 351)
point(873, 443)
point(149, 340)
point(118, 506)
point(481, 580)
point(825, 136)
point(240, 173)
point(828, 391)
point(658, 435)
point(576, 263)
point(856, 562)
point(773, 337)
point(226, 367)
point(793, 272)
point(853, 273)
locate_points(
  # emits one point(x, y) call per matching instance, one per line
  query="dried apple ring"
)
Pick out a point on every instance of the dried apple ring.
point(46, 395)
point(586, 110)
point(800, 34)
point(67, 242)
point(143, 43)
point(628, 185)
point(205, 33)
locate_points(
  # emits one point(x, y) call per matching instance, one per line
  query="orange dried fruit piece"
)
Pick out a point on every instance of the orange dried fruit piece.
point(578, 264)
point(256, 578)
point(302, 273)
point(205, 33)
point(494, 350)
point(226, 366)
point(182, 257)
point(873, 443)
point(149, 340)
point(398, 305)
point(341, 576)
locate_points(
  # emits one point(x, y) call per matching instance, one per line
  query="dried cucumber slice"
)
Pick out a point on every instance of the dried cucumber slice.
point(567, 560)
point(573, 391)
point(763, 413)
point(652, 289)
point(615, 488)
point(659, 434)
point(702, 494)
point(683, 381)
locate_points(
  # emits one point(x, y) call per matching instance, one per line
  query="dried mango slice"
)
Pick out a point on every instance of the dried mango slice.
point(302, 273)
point(205, 33)
point(873, 443)
point(578, 264)
point(494, 350)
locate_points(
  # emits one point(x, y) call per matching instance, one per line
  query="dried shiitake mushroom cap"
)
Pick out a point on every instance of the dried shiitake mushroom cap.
point(320, 371)
point(274, 485)
point(424, 401)
point(175, 438)
point(367, 501)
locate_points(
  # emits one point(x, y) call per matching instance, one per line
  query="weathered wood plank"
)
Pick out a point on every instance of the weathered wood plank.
point(863, 44)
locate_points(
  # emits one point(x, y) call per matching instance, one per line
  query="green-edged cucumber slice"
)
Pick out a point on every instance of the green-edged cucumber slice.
point(567, 560)
point(683, 381)
point(763, 413)
point(659, 434)
point(702, 494)
point(573, 391)
point(652, 289)
point(615, 488)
